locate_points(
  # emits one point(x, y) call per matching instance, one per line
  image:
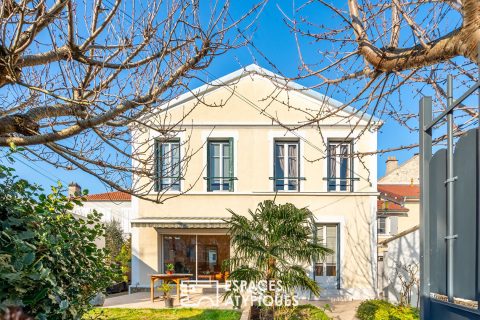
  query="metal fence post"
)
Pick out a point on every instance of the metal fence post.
point(450, 238)
point(425, 140)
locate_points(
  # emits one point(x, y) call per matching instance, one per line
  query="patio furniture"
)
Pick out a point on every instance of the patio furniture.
point(221, 276)
point(175, 278)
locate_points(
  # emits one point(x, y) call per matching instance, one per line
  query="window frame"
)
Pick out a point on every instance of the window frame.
point(231, 174)
point(286, 179)
point(385, 219)
point(158, 161)
point(337, 252)
point(349, 180)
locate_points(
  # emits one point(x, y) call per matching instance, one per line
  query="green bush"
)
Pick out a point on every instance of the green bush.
point(124, 259)
point(49, 263)
point(301, 312)
point(384, 310)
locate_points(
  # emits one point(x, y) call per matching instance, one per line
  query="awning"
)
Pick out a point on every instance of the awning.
point(181, 223)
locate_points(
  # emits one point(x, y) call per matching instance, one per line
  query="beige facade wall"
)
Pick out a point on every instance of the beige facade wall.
point(413, 218)
point(407, 173)
point(254, 135)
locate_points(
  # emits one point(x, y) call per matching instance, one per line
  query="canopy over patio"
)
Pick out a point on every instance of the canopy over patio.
point(181, 223)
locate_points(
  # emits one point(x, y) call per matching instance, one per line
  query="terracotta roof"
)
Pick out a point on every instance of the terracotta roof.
point(400, 190)
point(390, 207)
point(109, 196)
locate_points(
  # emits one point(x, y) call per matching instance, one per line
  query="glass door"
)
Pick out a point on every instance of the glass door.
point(327, 271)
point(200, 255)
point(180, 250)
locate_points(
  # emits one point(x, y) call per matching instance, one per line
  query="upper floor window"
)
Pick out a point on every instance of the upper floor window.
point(340, 166)
point(220, 165)
point(286, 166)
point(167, 164)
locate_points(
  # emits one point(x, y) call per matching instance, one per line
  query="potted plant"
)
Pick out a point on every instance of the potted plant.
point(170, 268)
point(167, 297)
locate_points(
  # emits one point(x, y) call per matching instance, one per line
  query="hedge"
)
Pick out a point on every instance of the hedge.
point(384, 310)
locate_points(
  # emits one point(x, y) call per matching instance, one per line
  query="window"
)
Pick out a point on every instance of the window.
point(286, 166)
point(327, 235)
point(220, 165)
point(382, 225)
point(340, 166)
point(167, 165)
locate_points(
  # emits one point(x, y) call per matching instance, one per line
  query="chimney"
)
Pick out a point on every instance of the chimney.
point(74, 189)
point(391, 163)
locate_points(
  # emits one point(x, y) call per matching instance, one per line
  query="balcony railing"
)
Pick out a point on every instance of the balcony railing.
point(222, 183)
point(287, 183)
point(340, 184)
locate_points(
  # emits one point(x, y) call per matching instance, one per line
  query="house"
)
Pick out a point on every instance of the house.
point(234, 145)
point(114, 205)
point(398, 228)
point(399, 199)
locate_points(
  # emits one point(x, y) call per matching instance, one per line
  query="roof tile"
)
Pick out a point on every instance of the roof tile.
point(109, 196)
point(400, 190)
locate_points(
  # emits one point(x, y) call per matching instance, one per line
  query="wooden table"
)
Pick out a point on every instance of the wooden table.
point(175, 278)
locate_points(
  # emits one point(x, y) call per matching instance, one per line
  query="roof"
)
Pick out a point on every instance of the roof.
point(282, 81)
point(392, 197)
point(109, 196)
point(400, 191)
point(389, 207)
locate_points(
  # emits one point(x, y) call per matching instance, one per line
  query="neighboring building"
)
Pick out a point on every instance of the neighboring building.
point(399, 199)
point(112, 205)
point(397, 225)
point(239, 155)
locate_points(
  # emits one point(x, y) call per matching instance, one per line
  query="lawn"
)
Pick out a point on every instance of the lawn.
point(163, 314)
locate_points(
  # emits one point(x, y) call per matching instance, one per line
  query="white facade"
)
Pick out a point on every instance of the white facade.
point(401, 252)
point(110, 210)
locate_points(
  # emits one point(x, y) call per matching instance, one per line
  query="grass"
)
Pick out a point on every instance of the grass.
point(304, 312)
point(163, 314)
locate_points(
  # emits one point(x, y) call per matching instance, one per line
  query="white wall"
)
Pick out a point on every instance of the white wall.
point(120, 211)
point(402, 251)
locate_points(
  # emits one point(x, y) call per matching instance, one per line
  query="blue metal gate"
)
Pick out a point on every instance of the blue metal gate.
point(450, 217)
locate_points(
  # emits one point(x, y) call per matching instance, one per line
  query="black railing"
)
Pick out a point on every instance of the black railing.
point(225, 182)
point(289, 185)
point(344, 184)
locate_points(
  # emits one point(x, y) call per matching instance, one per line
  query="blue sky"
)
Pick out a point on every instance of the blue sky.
point(274, 40)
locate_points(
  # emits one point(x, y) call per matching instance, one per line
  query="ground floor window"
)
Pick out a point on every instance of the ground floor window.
point(382, 225)
point(200, 255)
point(328, 267)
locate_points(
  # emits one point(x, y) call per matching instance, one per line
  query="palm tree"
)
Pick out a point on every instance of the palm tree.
point(275, 243)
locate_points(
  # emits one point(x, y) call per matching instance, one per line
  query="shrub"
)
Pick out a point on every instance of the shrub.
point(384, 310)
point(124, 259)
point(113, 238)
point(49, 263)
point(301, 312)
